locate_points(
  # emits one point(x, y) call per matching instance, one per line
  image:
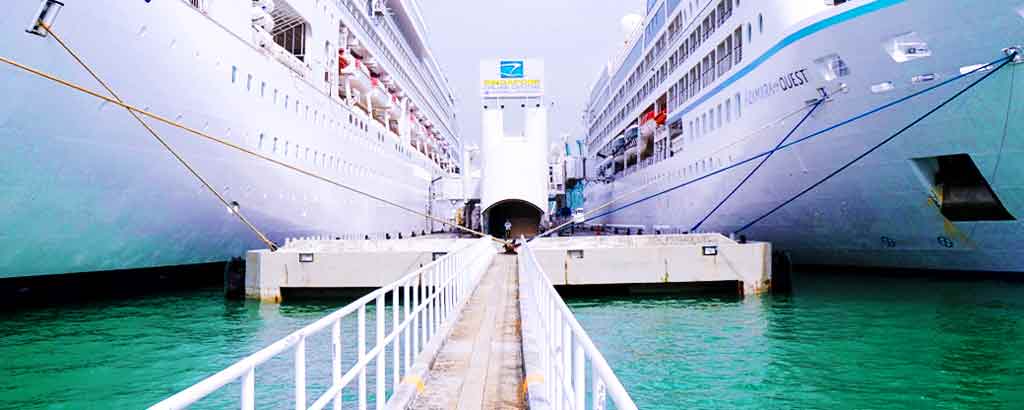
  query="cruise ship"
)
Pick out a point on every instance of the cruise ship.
point(343, 89)
point(703, 86)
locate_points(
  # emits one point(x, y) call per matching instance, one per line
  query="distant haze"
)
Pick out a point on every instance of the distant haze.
point(575, 38)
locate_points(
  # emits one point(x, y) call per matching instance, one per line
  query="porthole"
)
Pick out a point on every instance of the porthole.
point(760, 24)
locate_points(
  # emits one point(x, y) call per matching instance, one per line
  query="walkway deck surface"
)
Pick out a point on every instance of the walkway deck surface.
point(480, 366)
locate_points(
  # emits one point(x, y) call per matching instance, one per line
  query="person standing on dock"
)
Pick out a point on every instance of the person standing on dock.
point(508, 228)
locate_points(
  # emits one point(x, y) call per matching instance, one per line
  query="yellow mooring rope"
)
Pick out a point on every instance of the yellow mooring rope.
point(136, 110)
point(234, 210)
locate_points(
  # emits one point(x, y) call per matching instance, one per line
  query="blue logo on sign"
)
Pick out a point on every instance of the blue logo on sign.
point(512, 69)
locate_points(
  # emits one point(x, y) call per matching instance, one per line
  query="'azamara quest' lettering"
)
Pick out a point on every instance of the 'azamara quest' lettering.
point(784, 83)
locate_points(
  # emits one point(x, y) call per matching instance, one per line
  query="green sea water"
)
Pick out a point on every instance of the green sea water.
point(839, 342)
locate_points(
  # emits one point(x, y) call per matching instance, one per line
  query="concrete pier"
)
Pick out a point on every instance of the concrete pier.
point(646, 261)
point(639, 262)
point(339, 264)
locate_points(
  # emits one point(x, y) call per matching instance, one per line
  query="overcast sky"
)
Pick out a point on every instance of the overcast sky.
point(575, 38)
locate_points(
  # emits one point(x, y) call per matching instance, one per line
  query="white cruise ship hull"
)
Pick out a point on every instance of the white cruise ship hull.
point(877, 213)
point(85, 188)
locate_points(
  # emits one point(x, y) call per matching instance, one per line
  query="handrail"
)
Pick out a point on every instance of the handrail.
point(431, 295)
point(565, 347)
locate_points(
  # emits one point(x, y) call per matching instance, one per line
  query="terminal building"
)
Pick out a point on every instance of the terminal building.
point(514, 179)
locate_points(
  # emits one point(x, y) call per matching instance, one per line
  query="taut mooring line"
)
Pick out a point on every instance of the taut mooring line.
point(230, 206)
point(228, 144)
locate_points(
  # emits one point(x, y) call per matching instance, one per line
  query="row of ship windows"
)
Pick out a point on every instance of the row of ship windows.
point(728, 53)
point(319, 118)
point(707, 122)
point(276, 145)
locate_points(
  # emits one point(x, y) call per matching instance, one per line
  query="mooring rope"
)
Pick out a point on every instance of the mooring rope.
point(875, 147)
point(644, 187)
point(589, 215)
point(231, 145)
point(759, 164)
point(181, 160)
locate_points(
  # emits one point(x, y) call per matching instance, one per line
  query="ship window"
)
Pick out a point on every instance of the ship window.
point(263, 89)
point(728, 111)
point(260, 146)
point(760, 24)
point(286, 144)
point(286, 101)
point(739, 106)
point(234, 74)
point(248, 82)
point(275, 96)
point(750, 33)
point(274, 149)
point(906, 47)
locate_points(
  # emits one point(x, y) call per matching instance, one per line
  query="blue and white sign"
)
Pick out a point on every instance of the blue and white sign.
point(512, 69)
point(512, 78)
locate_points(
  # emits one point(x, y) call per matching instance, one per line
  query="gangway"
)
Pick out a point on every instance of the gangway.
point(402, 355)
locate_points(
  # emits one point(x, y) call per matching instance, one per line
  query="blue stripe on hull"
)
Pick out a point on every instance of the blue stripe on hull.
point(786, 42)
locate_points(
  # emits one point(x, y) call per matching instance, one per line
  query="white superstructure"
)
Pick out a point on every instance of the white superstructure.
point(346, 89)
point(707, 84)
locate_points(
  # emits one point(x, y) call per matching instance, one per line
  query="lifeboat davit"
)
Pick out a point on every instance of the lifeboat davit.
point(649, 124)
point(380, 96)
point(359, 77)
point(345, 66)
point(396, 106)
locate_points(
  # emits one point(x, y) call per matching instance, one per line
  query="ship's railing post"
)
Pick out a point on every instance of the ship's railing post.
point(361, 341)
point(565, 348)
point(336, 360)
point(300, 373)
point(379, 314)
point(432, 294)
point(406, 333)
point(249, 390)
point(395, 363)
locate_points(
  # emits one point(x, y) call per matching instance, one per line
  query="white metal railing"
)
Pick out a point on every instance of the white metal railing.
point(421, 301)
point(565, 348)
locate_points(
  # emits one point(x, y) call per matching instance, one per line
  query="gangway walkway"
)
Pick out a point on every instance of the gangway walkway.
point(471, 330)
point(480, 365)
